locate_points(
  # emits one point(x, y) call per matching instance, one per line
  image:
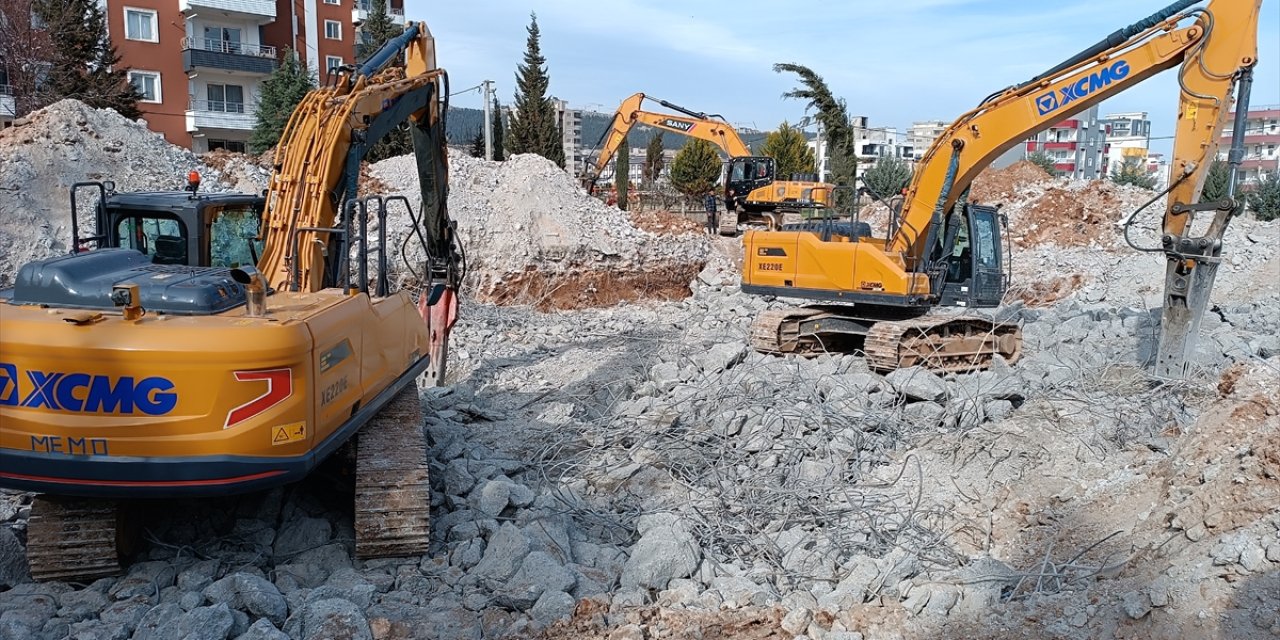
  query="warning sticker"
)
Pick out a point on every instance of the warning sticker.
point(286, 433)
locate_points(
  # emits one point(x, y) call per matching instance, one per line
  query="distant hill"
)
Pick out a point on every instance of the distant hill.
point(463, 124)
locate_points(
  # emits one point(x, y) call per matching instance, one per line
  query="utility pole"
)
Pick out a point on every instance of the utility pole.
point(488, 119)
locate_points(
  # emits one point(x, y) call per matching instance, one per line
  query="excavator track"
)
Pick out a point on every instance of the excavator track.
point(74, 539)
point(953, 344)
point(939, 343)
point(393, 489)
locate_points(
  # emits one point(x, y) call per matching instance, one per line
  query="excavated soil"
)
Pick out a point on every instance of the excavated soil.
point(594, 288)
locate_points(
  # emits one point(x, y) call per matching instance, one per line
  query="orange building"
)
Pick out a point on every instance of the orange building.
point(199, 64)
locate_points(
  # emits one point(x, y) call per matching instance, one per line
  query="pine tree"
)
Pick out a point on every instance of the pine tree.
point(836, 125)
point(279, 96)
point(696, 168)
point(653, 160)
point(498, 127)
point(888, 177)
point(1044, 161)
point(477, 145)
point(1131, 172)
point(790, 152)
point(622, 172)
point(84, 62)
point(1216, 182)
point(25, 51)
point(377, 29)
point(1264, 197)
point(533, 125)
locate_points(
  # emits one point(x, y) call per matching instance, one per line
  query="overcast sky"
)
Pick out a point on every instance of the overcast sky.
point(897, 61)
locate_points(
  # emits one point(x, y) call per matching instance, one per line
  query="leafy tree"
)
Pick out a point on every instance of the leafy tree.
point(279, 96)
point(477, 144)
point(653, 160)
point(836, 125)
point(1216, 182)
point(1264, 197)
point(1044, 161)
point(622, 172)
point(497, 127)
point(533, 126)
point(888, 177)
point(25, 52)
point(790, 151)
point(1132, 172)
point(83, 64)
point(696, 168)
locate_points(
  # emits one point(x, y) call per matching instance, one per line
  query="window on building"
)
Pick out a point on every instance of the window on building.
point(224, 39)
point(230, 145)
point(332, 30)
point(147, 83)
point(225, 98)
point(140, 24)
point(333, 1)
point(332, 62)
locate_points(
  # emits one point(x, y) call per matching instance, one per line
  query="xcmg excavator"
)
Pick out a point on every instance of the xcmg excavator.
point(213, 344)
point(751, 185)
point(943, 249)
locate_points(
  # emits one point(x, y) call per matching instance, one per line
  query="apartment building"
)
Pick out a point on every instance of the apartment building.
point(8, 108)
point(1128, 136)
point(1078, 146)
point(199, 64)
point(570, 121)
point(920, 137)
point(873, 143)
point(1261, 142)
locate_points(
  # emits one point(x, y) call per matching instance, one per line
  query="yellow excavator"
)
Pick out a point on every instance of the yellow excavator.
point(213, 344)
point(941, 249)
point(751, 186)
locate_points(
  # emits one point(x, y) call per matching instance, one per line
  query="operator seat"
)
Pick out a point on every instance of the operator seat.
point(170, 250)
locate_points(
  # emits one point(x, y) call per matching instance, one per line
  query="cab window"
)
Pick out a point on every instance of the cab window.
point(161, 238)
point(738, 172)
point(232, 237)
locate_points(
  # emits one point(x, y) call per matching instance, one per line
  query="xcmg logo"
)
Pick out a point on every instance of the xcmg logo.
point(82, 392)
point(1052, 101)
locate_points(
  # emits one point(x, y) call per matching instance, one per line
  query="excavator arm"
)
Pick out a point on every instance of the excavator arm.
point(1214, 53)
point(317, 170)
point(712, 128)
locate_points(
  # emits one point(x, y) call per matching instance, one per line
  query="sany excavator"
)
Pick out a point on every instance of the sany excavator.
point(750, 184)
point(161, 363)
point(942, 249)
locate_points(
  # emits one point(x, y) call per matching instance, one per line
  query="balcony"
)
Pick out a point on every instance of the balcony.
point(211, 114)
point(235, 57)
point(261, 11)
point(361, 13)
point(8, 108)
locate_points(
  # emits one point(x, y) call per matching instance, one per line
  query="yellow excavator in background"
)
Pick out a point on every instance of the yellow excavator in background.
point(751, 186)
point(942, 249)
point(163, 363)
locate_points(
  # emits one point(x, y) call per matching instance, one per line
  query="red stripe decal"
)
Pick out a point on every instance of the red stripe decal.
point(279, 388)
point(145, 483)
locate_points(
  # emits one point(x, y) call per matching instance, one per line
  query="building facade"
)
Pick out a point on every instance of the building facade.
point(1128, 136)
point(1078, 146)
point(1261, 143)
point(570, 121)
point(920, 137)
point(8, 108)
point(199, 64)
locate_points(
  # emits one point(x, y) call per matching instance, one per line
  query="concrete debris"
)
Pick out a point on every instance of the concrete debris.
point(635, 470)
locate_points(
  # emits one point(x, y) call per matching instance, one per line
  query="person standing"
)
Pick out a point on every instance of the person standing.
point(710, 203)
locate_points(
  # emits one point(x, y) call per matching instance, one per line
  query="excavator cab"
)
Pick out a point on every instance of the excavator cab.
point(174, 227)
point(746, 174)
point(973, 256)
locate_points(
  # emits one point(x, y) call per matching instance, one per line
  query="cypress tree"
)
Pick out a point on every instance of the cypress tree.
point(836, 125)
point(280, 94)
point(533, 125)
point(83, 64)
point(498, 135)
point(622, 172)
point(653, 160)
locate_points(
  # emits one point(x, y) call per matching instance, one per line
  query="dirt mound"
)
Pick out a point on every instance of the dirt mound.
point(533, 236)
point(664, 222)
point(998, 185)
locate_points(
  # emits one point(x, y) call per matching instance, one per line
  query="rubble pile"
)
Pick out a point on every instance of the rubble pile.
point(637, 471)
point(534, 237)
point(68, 142)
